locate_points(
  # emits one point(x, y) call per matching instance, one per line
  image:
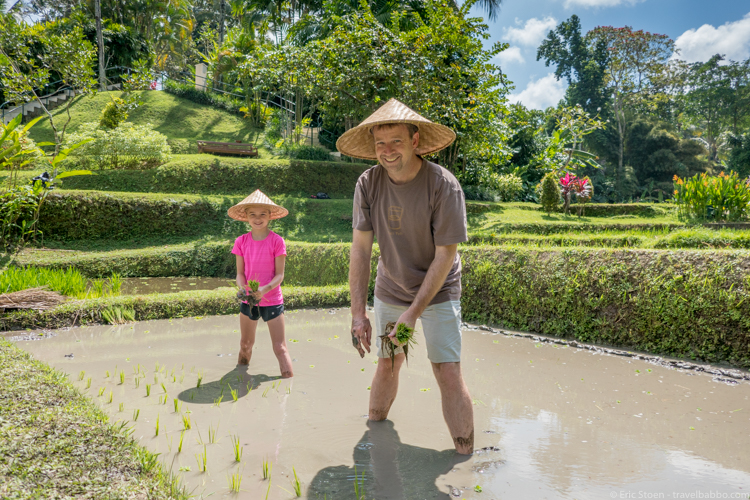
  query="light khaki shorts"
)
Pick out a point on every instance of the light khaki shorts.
point(441, 329)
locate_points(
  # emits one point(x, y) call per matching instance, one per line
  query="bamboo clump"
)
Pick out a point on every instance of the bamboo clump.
point(32, 298)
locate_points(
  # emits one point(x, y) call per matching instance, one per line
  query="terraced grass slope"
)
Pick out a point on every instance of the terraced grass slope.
point(178, 119)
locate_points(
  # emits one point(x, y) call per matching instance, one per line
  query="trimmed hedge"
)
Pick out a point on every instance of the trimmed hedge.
point(160, 306)
point(693, 304)
point(683, 303)
point(306, 264)
point(212, 175)
point(94, 215)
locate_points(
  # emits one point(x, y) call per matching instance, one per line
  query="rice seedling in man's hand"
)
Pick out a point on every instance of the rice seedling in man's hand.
point(404, 336)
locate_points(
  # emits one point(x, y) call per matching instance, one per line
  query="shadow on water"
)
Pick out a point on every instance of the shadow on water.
point(235, 380)
point(386, 469)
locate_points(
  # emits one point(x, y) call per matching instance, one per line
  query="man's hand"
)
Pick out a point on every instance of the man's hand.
point(361, 334)
point(406, 318)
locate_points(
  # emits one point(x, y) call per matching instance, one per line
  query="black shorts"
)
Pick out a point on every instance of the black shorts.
point(266, 312)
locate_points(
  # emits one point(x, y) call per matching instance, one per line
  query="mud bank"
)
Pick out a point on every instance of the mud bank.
point(552, 421)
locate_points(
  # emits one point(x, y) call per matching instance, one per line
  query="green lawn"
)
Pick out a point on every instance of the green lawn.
point(172, 116)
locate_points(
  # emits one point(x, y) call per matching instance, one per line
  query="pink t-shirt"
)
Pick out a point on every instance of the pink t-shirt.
point(260, 262)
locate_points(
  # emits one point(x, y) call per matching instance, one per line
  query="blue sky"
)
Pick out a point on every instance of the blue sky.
point(699, 28)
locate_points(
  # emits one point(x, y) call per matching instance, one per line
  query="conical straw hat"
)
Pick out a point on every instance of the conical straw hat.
point(358, 142)
point(256, 199)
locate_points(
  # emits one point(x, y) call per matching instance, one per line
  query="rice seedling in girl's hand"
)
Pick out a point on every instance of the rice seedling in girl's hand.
point(404, 337)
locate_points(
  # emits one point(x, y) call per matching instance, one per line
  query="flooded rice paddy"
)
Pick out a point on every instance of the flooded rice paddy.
point(551, 421)
point(143, 286)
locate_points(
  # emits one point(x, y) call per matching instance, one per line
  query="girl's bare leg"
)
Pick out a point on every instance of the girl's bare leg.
point(276, 328)
point(247, 339)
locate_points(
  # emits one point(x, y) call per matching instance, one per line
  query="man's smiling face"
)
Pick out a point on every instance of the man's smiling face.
point(393, 146)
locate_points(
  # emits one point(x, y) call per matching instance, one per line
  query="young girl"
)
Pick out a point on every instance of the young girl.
point(261, 254)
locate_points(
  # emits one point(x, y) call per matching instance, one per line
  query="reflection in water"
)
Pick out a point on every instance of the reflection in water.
point(235, 380)
point(386, 469)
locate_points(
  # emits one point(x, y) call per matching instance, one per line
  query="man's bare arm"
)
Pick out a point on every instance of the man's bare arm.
point(359, 281)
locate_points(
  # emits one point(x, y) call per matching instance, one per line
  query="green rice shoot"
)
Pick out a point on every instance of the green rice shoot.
point(235, 481)
point(81, 375)
point(296, 484)
point(69, 282)
point(136, 414)
point(237, 448)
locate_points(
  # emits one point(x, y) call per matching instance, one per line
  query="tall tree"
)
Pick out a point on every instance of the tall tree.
point(581, 60)
point(635, 59)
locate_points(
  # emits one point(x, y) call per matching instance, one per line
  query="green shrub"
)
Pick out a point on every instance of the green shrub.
point(480, 193)
point(126, 146)
point(182, 146)
point(113, 114)
point(206, 174)
point(508, 186)
point(550, 193)
point(18, 207)
point(310, 153)
point(207, 97)
point(721, 198)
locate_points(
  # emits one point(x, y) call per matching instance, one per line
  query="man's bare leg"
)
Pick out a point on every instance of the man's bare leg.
point(384, 387)
point(457, 409)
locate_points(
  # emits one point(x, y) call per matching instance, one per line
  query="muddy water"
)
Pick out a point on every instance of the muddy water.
point(141, 286)
point(551, 422)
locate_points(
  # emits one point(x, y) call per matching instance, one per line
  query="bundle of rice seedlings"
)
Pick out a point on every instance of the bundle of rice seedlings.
point(404, 337)
point(31, 298)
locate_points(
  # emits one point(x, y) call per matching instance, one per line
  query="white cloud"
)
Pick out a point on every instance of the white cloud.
point(510, 55)
point(732, 39)
point(598, 3)
point(540, 94)
point(532, 33)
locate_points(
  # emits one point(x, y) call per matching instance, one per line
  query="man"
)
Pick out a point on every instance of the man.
point(416, 210)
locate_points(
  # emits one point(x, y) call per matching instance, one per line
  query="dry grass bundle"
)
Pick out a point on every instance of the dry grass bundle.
point(31, 298)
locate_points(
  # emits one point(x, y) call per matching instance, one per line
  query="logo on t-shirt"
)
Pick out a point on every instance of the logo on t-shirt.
point(394, 219)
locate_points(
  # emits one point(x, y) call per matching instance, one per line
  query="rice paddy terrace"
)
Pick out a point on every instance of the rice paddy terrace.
point(635, 378)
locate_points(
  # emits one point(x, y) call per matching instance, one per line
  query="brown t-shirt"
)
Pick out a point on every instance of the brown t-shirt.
point(409, 220)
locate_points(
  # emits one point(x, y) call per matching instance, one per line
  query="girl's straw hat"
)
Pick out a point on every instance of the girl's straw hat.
point(358, 142)
point(257, 199)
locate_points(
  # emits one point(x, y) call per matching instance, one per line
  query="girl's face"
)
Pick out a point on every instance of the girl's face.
point(258, 217)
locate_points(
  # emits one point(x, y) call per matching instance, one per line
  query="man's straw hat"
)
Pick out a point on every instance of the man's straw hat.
point(257, 199)
point(358, 142)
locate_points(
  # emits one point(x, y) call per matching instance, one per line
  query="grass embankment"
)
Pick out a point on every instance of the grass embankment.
point(67, 281)
point(95, 215)
point(181, 120)
point(101, 220)
point(161, 306)
point(56, 443)
point(214, 175)
point(686, 303)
